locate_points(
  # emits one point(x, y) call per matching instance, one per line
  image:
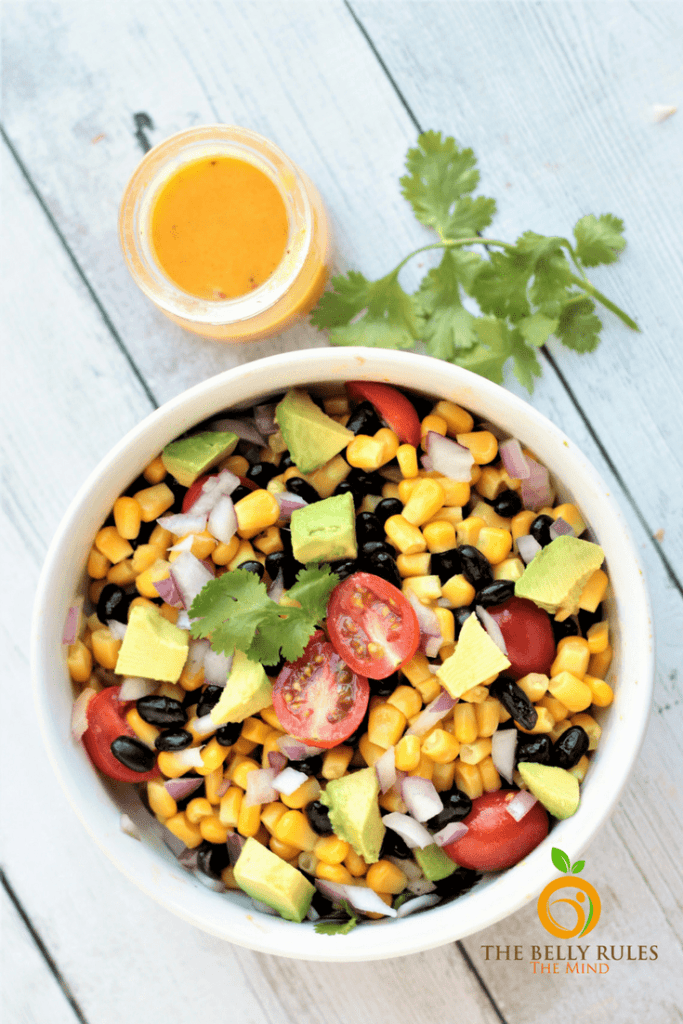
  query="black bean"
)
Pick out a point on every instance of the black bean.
point(346, 488)
point(144, 533)
point(371, 547)
point(570, 747)
point(540, 529)
point(312, 765)
point(173, 739)
point(382, 564)
point(569, 627)
point(507, 504)
point(240, 492)
point(384, 687)
point(368, 527)
point(133, 753)
point(364, 420)
point(456, 806)
point(285, 562)
point(476, 567)
point(446, 564)
point(285, 462)
point(344, 568)
point(286, 538)
point(533, 748)
point(179, 493)
point(394, 846)
point(587, 619)
point(163, 711)
point(388, 507)
point(454, 885)
point(262, 473)
point(297, 485)
point(366, 483)
point(496, 593)
point(460, 615)
point(422, 405)
point(113, 604)
point(208, 699)
point(515, 701)
point(228, 734)
point(212, 858)
point(318, 818)
point(251, 565)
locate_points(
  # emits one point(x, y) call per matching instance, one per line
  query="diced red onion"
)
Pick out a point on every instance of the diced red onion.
point(491, 627)
point(536, 490)
point(514, 459)
point(421, 797)
point(432, 714)
point(520, 804)
point(222, 522)
point(561, 527)
point(264, 418)
point(420, 886)
point(204, 726)
point(244, 428)
point(134, 687)
point(503, 747)
point(260, 789)
point(235, 842)
point(183, 523)
point(410, 869)
point(360, 897)
point(263, 908)
point(451, 833)
point(224, 482)
point(214, 884)
point(277, 588)
point(289, 503)
point(188, 858)
point(73, 621)
point(419, 903)
point(180, 788)
point(427, 463)
point(385, 766)
point(294, 749)
point(168, 590)
point(528, 547)
point(448, 457)
point(276, 760)
point(288, 780)
point(116, 628)
point(410, 830)
point(79, 712)
point(190, 576)
point(431, 637)
point(223, 788)
point(217, 667)
point(129, 827)
point(191, 757)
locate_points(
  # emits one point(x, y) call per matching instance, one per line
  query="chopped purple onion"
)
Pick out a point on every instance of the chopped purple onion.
point(503, 748)
point(421, 797)
point(521, 804)
point(448, 457)
point(514, 459)
point(491, 627)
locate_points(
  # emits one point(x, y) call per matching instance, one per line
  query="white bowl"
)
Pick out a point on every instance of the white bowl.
point(149, 864)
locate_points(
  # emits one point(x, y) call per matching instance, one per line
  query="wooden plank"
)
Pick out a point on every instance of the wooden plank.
point(96, 924)
point(557, 102)
point(31, 994)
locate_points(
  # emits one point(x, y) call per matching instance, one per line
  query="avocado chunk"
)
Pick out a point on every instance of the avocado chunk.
point(325, 530)
point(556, 788)
point(247, 691)
point(475, 658)
point(265, 876)
point(188, 458)
point(313, 437)
point(152, 647)
point(354, 812)
point(555, 578)
point(434, 862)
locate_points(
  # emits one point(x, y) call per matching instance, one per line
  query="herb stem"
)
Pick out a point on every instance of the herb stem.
point(592, 290)
point(450, 243)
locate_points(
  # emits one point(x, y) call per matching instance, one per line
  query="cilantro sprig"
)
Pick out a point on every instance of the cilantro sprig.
point(340, 927)
point(526, 291)
point(235, 612)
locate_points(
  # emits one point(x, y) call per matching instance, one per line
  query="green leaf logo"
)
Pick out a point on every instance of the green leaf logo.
point(579, 866)
point(560, 860)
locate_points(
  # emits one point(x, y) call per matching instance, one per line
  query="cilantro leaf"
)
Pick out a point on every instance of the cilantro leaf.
point(235, 612)
point(490, 356)
point(361, 312)
point(439, 175)
point(500, 286)
point(448, 326)
point(525, 361)
point(578, 326)
point(599, 239)
point(537, 328)
point(470, 217)
point(336, 927)
point(348, 298)
point(551, 285)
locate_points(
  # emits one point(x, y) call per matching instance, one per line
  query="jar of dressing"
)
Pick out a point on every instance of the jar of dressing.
point(225, 234)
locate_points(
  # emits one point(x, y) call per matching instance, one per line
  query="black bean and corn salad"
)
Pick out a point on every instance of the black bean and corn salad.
point(348, 648)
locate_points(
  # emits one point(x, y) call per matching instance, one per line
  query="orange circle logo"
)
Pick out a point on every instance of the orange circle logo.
point(585, 904)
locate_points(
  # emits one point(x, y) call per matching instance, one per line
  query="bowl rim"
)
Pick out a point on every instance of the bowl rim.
point(92, 800)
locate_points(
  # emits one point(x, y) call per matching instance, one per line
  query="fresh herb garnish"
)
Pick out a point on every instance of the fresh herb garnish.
point(526, 291)
point(234, 611)
point(338, 927)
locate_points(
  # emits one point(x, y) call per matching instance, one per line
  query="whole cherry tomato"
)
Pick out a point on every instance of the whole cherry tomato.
point(494, 839)
point(528, 635)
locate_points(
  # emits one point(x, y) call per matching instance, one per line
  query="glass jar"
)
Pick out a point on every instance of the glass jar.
point(297, 282)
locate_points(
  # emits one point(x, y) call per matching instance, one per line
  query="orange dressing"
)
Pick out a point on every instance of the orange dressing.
point(219, 228)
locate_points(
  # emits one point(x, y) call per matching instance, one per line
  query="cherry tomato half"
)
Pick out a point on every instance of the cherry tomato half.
point(372, 626)
point(394, 408)
point(494, 840)
point(318, 698)
point(193, 492)
point(528, 635)
point(106, 717)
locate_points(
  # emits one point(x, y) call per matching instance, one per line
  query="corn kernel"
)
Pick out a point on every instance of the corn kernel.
point(482, 444)
point(404, 536)
point(110, 542)
point(229, 809)
point(598, 637)
point(473, 753)
point(425, 501)
point(590, 727)
point(495, 544)
point(483, 510)
point(440, 536)
point(407, 753)
point(573, 655)
point(425, 588)
point(570, 690)
point(385, 725)
point(255, 729)
point(443, 776)
point(365, 452)
point(468, 779)
point(545, 723)
point(414, 565)
point(579, 770)
point(407, 460)
point(158, 570)
point(521, 524)
point(534, 685)
point(105, 648)
point(602, 693)
point(331, 849)
point(98, 564)
point(599, 663)
point(465, 727)
point(184, 830)
point(458, 591)
point(127, 517)
point(122, 574)
point(458, 421)
point(249, 819)
point(306, 793)
point(256, 512)
point(293, 828)
point(384, 876)
point(79, 662)
point(406, 699)
point(477, 694)
point(467, 531)
point(435, 424)
point(492, 482)
point(154, 501)
point(143, 730)
point(571, 515)
point(594, 591)
point(486, 715)
point(490, 779)
point(198, 808)
point(160, 800)
point(441, 746)
point(509, 569)
point(355, 864)
point(239, 768)
point(425, 767)
point(244, 553)
point(213, 784)
point(556, 708)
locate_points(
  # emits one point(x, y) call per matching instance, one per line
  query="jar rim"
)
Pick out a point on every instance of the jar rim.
point(154, 170)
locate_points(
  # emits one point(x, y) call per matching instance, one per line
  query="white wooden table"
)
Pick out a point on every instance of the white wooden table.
point(560, 103)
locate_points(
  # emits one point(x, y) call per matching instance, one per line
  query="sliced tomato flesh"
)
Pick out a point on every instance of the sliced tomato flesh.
point(394, 408)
